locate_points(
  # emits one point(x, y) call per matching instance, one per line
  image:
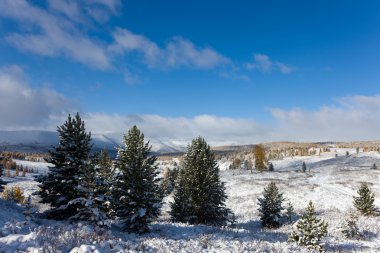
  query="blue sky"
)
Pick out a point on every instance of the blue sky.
point(232, 71)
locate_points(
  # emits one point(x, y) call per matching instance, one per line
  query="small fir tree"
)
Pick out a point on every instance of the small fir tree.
point(30, 210)
point(200, 195)
point(260, 158)
point(304, 167)
point(309, 230)
point(270, 167)
point(70, 159)
point(350, 228)
point(289, 212)
point(270, 206)
point(2, 182)
point(136, 193)
point(364, 203)
point(374, 167)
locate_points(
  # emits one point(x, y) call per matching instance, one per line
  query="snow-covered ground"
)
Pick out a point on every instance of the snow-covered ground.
point(330, 182)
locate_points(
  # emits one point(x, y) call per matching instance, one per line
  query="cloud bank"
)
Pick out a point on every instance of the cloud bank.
point(24, 107)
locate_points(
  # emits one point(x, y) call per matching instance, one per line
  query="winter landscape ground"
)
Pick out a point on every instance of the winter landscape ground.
point(331, 181)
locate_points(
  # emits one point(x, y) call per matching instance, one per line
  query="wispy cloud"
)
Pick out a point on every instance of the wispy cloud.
point(264, 64)
point(53, 35)
point(178, 52)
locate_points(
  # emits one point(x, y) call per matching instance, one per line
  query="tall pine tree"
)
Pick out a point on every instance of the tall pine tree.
point(136, 193)
point(70, 159)
point(199, 195)
point(270, 206)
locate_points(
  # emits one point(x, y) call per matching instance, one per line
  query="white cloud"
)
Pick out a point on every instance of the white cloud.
point(53, 35)
point(24, 107)
point(178, 52)
point(264, 64)
point(216, 130)
point(353, 118)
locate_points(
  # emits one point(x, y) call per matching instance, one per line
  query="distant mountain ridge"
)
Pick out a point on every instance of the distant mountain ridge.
point(42, 141)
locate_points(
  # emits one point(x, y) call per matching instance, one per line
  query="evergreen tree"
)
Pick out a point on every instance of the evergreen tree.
point(374, 167)
point(350, 228)
point(270, 206)
point(2, 183)
point(270, 167)
point(365, 202)
point(309, 230)
point(289, 212)
point(303, 167)
point(136, 193)
point(168, 182)
point(199, 195)
point(181, 208)
point(104, 175)
point(70, 159)
point(260, 158)
point(91, 206)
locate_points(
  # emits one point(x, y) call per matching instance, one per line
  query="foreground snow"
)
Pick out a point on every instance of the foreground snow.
point(330, 184)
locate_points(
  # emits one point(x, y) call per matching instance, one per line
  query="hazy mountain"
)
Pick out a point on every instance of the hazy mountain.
point(42, 141)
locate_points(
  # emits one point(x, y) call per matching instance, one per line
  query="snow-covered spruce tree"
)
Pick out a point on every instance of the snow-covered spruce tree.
point(181, 208)
point(309, 230)
point(91, 200)
point(350, 227)
point(199, 195)
point(365, 201)
point(104, 176)
point(135, 190)
point(270, 206)
point(70, 159)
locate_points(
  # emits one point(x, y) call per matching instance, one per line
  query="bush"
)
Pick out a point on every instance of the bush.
point(15, 194)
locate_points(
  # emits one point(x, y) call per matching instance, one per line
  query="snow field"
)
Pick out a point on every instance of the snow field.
point(331, 184)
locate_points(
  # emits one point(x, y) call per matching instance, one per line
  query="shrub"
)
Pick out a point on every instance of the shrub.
point(15, 194)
